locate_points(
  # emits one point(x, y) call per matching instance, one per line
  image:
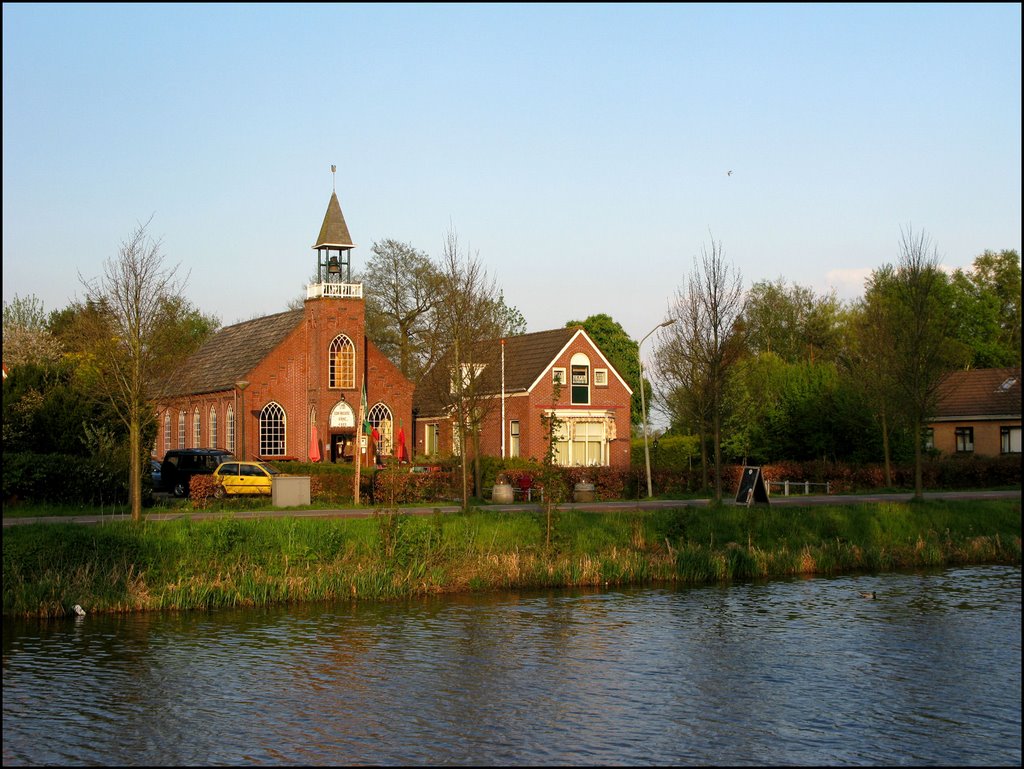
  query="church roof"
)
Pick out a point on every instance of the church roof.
point(231, 353)
point(334, 231)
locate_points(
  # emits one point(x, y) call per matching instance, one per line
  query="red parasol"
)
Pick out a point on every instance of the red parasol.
point(401, 453)
point(314, 446)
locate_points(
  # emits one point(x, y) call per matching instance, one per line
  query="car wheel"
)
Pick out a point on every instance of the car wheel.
point(180, 489)
point(219, 492)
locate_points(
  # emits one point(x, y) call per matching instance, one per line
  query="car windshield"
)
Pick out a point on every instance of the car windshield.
point(270, 468)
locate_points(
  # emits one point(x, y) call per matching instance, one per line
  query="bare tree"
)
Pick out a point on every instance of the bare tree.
point(128, 338)
point(700, 349)
point(467, 316)
point(401, 289)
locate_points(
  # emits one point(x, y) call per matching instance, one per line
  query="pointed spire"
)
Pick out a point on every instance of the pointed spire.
point(334, 231)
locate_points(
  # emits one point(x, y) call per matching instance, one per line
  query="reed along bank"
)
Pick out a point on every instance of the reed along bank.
point(229, 561)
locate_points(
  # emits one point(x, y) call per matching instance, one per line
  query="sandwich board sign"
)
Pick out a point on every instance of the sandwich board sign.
point(752, 489)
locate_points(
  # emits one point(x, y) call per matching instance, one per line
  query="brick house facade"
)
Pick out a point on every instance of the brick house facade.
point(288, 386)
point(978, 412)
point(592, 409)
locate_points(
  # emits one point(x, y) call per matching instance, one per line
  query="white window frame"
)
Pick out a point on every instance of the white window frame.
point(600, 377)
point(273, 431)
point(341, 364)
point(1009, 439)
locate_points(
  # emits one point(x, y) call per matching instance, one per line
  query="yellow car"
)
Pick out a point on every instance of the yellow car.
point(245, 477)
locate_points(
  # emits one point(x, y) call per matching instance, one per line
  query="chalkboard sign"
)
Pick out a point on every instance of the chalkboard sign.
point(752, 488)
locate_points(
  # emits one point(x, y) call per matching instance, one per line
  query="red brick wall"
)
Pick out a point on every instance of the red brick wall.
point(528, 408)
point(295, 376)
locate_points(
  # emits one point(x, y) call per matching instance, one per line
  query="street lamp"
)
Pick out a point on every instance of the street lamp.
point(643, 403)
point(241, 385)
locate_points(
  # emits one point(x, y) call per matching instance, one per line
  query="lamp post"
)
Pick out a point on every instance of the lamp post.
point(241, 385)
point(643, 403)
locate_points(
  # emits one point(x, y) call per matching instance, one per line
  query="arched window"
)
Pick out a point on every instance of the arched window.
point(167, 431)
point(231, 429)
point(272, 431)
point(342, 363)
point(380, 418)
point(181, 429)
point(213, 427)
point(579, 379)
point(197, 430)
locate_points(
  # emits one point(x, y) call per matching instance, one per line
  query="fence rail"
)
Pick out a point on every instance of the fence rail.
point(796, 487)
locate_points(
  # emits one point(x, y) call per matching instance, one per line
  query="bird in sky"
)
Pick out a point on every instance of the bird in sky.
point(729, 173)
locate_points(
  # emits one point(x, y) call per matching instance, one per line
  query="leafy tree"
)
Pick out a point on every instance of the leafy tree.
point(792, 322)
point(26, 336)
point(510, 319)
point(986, 309)
point(49, 409)
point(621, 350)
point(913, 301)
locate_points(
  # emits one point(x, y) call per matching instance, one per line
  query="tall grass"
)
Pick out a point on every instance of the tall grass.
point(229, 561)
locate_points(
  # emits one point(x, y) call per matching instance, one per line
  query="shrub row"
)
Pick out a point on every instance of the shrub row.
point(64, 479)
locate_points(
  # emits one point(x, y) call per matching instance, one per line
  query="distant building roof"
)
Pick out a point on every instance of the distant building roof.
point(985, 393)
point(231, 353)
point(334, 231)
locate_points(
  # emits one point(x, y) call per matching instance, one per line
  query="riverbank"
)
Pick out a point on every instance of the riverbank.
point(235, 561)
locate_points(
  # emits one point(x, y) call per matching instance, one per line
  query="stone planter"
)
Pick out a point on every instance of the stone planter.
point(584, 492)
point(501, 494)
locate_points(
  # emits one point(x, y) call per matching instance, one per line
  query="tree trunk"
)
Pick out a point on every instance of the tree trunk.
point(885, 450)
point(135, 467)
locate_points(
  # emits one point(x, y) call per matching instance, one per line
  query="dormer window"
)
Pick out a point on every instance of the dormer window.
point(579, 377)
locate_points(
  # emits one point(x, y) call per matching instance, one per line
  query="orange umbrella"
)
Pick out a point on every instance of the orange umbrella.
point(314, 446)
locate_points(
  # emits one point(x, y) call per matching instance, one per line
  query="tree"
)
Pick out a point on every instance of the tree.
point(986, 309)
point(622, 352)
point(510, 320)
point(914, 300)
point(401, 287)
point(27, 339)
point(792, 322)
point(705, 343)
point(129, 344)
point(467, 316)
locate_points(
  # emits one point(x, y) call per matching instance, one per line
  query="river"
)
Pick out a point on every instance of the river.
point(798, 671)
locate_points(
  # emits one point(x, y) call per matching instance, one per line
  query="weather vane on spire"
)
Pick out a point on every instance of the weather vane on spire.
point(334, 168)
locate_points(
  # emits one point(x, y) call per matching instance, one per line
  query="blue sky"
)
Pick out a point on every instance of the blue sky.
point(581, 151)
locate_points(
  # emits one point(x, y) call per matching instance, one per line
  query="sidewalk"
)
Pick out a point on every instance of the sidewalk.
point(618, 505)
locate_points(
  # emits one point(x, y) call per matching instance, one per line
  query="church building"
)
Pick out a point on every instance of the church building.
point(290, 385)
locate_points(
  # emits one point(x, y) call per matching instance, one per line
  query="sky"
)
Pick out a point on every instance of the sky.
point(586, 154)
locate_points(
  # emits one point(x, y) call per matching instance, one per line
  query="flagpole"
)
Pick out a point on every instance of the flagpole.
point(502, 398)
point(358, 449)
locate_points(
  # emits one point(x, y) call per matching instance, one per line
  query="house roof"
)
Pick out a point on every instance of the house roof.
point(527, 357)
point(231, 353)
point(334, 231)
point(980, 393)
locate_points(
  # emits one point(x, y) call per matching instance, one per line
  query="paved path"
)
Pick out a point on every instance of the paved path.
point(643, 504)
